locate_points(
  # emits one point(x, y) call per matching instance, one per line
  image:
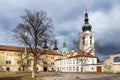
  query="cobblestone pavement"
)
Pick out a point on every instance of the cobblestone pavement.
point(85, 77)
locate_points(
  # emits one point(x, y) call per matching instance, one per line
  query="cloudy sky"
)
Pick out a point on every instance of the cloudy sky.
point(68, 18)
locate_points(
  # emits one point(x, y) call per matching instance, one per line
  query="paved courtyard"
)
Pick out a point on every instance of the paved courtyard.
point(85, 77)
point(59, 76)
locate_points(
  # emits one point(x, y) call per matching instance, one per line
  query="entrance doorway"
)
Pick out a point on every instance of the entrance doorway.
point(45, 69)
point(99, 69)
point(7, 69)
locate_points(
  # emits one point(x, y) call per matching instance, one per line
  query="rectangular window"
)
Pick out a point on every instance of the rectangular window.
point(90, 40)
point(73, 68)
point(77, 60)
point(37, 62)
point(92, 61)
point(73, 61)
point(90, 37)
point(77, 68)
point(69, 68)
point(69, 61)
point(52, 63)
point(8, 54)
point(19, 54)
point(83, 40)
point(52, 57)
point(64, 62)
point(8, 62)
point(19, 62)
point(45, 63)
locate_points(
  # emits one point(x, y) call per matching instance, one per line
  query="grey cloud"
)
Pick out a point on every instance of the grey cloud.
point(68, 18)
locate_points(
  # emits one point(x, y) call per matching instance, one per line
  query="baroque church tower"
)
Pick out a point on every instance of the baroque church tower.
point(87, 37)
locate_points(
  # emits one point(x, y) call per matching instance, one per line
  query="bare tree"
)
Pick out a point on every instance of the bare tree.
point(75, 43)
point(24, 60)
point(35, 28)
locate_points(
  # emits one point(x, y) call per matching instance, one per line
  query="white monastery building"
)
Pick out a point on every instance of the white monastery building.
point(84, 59)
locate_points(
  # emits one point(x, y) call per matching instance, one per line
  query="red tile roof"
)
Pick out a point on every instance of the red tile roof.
point(11, 48)
point(50, 52)
point(79, 53)
point(22, 49)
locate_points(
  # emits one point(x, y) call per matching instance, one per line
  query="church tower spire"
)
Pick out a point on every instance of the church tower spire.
point(86, 26)
point(55, 45)
point(86, 18)
point(87, 37)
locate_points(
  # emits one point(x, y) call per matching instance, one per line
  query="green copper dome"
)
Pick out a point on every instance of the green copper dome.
point(86, 27)
point(64, 49)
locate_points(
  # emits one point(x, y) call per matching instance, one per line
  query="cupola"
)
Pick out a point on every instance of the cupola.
point(86, 26)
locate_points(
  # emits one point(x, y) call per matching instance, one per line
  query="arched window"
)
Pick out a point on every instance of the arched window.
point(117, 59)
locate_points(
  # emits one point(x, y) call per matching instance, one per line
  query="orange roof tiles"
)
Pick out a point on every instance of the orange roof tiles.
point(81, 53)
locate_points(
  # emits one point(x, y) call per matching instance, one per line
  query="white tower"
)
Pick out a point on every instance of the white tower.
point(87, 37)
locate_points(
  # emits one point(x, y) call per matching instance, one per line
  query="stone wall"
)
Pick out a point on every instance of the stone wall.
point(110, 66)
